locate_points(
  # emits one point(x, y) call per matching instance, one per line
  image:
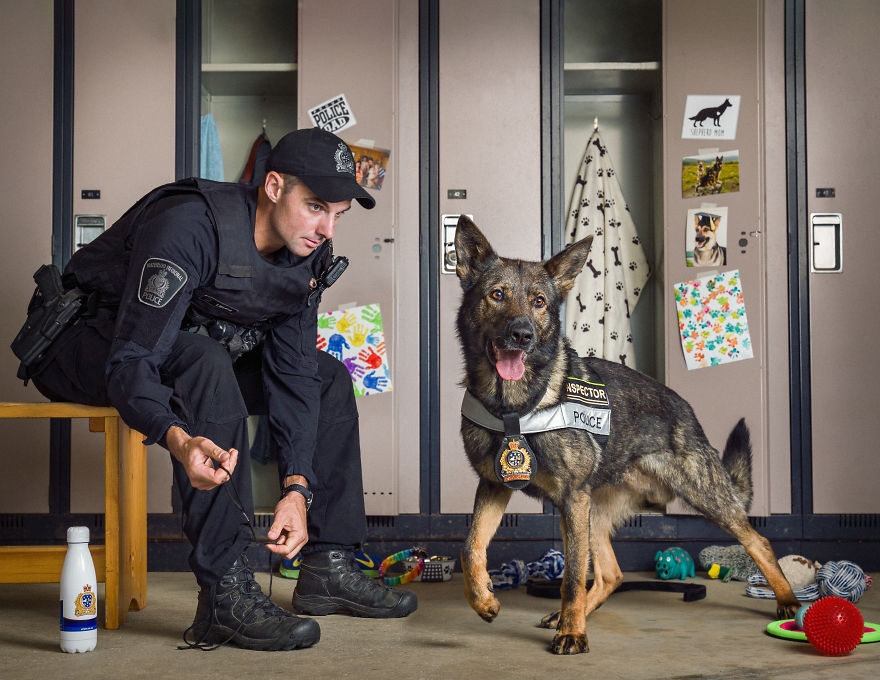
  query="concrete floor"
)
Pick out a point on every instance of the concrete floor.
point(633, 636)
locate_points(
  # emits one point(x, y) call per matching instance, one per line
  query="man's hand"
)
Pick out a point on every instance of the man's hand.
point(289, 530)
point(197, 455)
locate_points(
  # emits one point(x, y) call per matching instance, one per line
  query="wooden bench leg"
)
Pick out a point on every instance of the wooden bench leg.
point(113, 617)
point(133, 520)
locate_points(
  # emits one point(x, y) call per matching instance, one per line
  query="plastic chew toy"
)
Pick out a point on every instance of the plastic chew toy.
point(399, 557)
point(834, 626)
point(832, 635)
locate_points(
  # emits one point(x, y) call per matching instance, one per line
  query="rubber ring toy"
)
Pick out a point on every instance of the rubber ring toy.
point(399, 557)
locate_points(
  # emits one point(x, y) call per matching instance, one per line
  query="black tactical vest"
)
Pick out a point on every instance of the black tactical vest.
point(247, 290)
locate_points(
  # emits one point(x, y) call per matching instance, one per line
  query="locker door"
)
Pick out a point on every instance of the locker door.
point(490, 145)
point(717, 51)
point(357, 57)
point(842, 144)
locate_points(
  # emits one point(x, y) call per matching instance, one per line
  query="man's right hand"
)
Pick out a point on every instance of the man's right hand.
point(197, 455)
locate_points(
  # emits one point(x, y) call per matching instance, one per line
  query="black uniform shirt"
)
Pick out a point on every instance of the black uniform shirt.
point(176, 233)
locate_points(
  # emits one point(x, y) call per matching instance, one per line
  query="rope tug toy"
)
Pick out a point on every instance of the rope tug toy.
point(399, 557)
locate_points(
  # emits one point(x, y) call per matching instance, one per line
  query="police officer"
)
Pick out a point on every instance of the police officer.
point(203, 310)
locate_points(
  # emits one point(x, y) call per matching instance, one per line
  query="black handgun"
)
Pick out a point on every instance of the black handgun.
point(50, 311)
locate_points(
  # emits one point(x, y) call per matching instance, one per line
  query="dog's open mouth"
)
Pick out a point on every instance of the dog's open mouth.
point(510, 363)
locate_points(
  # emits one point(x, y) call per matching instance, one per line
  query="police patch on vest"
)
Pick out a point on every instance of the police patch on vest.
point(515, 463)
point(160, 282)
point(587, 406)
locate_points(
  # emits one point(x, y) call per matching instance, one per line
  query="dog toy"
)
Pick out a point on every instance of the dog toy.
point(673, 563)
point(717, 571)
point(799, 571)
point(733, 557)
point(795, 629)
point(841, 579)
point(799, 617)
point(834, 626)
point(399, 557)
point(516, 572)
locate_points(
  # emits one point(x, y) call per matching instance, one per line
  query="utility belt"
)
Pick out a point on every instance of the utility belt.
point(52, 309)
point(236, 339)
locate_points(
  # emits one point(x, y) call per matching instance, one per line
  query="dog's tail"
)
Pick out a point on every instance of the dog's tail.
point(737, 460)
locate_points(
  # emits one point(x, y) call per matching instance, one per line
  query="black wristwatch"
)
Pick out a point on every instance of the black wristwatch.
point(299, 488)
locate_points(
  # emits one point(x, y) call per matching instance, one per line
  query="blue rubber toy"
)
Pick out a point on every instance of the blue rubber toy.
point(673, 563)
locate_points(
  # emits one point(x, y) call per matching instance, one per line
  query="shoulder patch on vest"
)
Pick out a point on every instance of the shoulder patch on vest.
point(161, 280)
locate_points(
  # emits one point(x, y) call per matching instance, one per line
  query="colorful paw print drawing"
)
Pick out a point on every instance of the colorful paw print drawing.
point(712, 309)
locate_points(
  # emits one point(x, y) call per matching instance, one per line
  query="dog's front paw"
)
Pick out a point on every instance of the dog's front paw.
point(488, 610)
point(786, 611)
point(549, 621)
point(483, 602)
point(569, 644)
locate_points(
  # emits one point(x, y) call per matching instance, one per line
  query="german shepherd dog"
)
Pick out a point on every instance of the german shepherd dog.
point(709, 179)
point(707, 250)
point(516, 361)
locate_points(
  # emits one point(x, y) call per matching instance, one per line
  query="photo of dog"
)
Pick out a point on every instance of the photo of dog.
point(709, 178)
point(716, 173)
point(706, 242)
point(599, 440)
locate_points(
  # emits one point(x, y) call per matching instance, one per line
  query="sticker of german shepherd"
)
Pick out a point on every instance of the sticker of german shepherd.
point(598, 439)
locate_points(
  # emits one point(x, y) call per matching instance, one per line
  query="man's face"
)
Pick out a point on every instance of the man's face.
point(302, 221)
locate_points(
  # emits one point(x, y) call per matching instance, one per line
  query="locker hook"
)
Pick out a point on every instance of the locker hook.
point(596, 123)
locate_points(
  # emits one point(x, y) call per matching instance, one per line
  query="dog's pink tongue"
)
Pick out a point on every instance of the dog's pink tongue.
point(509, 364)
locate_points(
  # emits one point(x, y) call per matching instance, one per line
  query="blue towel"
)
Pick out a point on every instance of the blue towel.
point(211, 156)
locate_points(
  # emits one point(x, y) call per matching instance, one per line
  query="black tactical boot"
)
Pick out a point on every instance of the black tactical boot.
point(236, 610)
point(331, 583)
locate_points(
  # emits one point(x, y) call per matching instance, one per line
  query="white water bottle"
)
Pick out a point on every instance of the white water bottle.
point(79, 594)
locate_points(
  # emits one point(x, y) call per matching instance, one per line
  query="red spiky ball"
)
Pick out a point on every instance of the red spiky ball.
point(834, 626)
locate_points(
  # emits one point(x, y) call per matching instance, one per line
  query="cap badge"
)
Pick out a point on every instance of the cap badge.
point(344, 161)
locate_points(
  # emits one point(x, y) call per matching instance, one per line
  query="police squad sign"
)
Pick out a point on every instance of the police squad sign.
point(333, 115)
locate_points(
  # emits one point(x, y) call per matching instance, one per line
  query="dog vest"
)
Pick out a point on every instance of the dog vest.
point(585, 407)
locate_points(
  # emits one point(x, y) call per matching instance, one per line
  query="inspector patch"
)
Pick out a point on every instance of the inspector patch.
point(587, 406)
point(161, 280)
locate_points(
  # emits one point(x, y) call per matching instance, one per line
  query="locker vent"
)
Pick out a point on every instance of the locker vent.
point(380, 521)
point(263, 520)
point(758, 522)
point(11, 521)
point(508, 521)
point(858, 521)
point(634, 522)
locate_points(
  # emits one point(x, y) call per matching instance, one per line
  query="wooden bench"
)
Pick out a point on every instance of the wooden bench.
point(121, 563)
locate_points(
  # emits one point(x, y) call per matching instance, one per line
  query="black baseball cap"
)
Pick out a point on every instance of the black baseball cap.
point(321, 160)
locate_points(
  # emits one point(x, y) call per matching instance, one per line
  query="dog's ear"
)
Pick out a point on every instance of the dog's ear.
point(472, 252)
point(567, 264)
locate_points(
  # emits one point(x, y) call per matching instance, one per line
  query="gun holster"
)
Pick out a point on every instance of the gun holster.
point(50, 311)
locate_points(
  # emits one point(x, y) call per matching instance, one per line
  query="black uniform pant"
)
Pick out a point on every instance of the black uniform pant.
point(213, 396)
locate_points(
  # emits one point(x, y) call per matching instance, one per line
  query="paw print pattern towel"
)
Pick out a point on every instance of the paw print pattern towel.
point(598, 307)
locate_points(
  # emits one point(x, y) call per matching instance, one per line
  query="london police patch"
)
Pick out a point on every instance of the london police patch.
point(161, 280)
point(515, 463)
